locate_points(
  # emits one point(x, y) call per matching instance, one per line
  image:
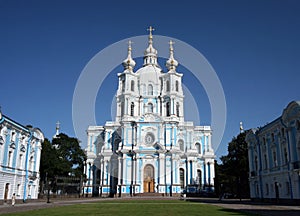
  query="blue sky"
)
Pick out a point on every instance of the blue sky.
point(252, 45)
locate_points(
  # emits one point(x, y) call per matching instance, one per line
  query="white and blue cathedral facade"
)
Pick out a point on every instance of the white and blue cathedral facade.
point(149, 148)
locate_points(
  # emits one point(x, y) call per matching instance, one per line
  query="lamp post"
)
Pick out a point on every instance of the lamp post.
point(83, 182)
point(48, 188)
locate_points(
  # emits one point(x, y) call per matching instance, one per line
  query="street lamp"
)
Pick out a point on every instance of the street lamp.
point(48, 188)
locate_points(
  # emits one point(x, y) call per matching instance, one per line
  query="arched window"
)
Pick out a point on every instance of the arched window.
point(31, 163)
point(198, 148)
point(132, 85)
point(122, 108)
point(256, 163)
point(168, 109)
point(181, 145)
point(123, 85)
point(150, 107)
point(150, 89)
point(177, 85)
point(177, 109)
point(168, 85)
point(132, 109)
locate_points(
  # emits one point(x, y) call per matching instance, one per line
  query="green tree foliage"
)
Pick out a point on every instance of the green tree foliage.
point(62, 157)
point(233, 173)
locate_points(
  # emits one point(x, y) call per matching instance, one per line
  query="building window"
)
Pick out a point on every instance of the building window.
point(282, 132)
point(18, 189)
point(150, 107)
point(266, 162)
point(198, 148)
point(168, 85)
point(267, 189)
point(256, 163)
point(288, 189)
point(9, 161)
point(132, 109)
point(161, 84)
point(274, 158)
point(177, 109)
point(132, 85)
point(168, 108)
point(20, 161)
point(176, 85)
point(273, 137)
point(181, 145)
point(31, 163)
point(285, 156)
point(298, 125)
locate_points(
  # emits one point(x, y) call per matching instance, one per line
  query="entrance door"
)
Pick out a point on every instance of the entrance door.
point(6, 192)
point(148, 179)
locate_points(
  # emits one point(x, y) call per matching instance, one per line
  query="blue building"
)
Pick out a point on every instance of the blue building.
point(20, 152)
point(149, 148)
point(274, 158)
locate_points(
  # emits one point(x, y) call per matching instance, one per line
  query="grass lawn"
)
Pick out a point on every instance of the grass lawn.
point(132, 208)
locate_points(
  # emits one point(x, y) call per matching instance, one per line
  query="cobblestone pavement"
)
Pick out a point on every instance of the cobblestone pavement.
point(244, 205)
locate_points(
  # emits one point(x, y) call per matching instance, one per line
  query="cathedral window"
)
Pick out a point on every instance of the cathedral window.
point(123, 85)
point(132, 85)
point(132, 109)
point(150, 89)
point(177, 85)
point(168, 107)
point(181, 145)
point(122, 108)
point(150, 107)
point(168, 85)
point(177, 109)
point(198, 148)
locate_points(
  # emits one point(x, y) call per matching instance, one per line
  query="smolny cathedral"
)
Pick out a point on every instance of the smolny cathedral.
point(149, 148)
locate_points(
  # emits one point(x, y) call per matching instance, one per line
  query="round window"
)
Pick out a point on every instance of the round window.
point(149, 138)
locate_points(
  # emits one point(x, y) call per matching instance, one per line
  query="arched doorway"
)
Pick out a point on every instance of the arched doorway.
point(6, 192)
point(148, 179)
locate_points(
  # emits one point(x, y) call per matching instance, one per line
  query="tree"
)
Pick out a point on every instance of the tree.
point(63, 157)
point(233, 173)
point(70, 155)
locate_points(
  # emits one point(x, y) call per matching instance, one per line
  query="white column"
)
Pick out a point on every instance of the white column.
point(120, 170)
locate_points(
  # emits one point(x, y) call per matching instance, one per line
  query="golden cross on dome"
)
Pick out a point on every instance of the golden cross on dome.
point(129, 44)
point(171, 44)
point(150, 29)
point(57, 125)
